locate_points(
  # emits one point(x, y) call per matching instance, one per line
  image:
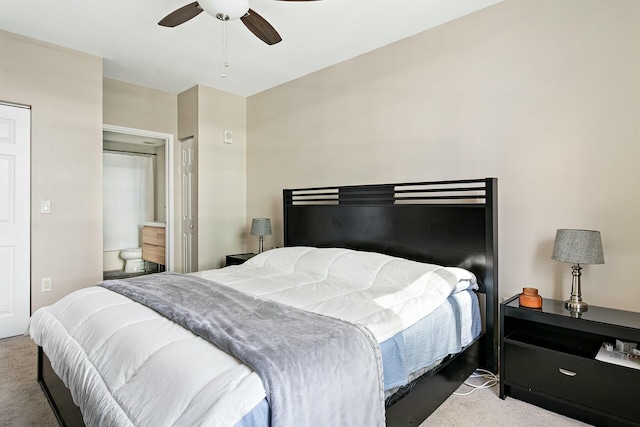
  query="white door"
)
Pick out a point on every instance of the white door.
point(189, 206)
point(15, 283)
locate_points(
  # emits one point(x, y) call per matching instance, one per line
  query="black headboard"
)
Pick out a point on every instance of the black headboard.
point(452, 223)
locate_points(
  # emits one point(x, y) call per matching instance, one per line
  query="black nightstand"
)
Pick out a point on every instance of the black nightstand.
point(547, 358)
point(238, 259)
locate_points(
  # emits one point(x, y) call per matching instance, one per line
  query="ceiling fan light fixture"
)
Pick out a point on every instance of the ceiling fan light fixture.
point(225, 9)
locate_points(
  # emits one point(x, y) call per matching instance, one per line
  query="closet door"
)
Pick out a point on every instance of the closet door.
point(189, 206)
point(15, 219)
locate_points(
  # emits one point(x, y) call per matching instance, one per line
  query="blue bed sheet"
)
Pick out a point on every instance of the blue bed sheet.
point(447, 330)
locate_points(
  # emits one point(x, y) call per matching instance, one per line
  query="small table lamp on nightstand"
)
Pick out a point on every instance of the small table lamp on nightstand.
point(261, 227)
point(577, 247)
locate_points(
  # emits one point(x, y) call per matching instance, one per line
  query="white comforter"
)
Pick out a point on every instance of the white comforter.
point(386, 294)
point(126, 365)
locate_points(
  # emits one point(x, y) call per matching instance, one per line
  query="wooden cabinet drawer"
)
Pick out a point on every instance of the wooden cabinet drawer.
point(153, 235)
point(602, 386)
point(153, 254)
point(153, 246)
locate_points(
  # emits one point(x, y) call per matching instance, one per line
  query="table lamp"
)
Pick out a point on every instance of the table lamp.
point(261, 227)
point(577, 247)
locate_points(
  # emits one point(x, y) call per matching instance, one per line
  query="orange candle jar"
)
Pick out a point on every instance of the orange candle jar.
point(529, 298)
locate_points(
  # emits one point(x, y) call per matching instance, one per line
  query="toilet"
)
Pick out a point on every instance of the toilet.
point(133, 260)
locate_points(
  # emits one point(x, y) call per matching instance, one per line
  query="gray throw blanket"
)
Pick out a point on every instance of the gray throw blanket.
point(316, 370)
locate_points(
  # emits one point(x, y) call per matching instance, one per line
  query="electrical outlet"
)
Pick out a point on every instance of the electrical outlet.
point(47, 284)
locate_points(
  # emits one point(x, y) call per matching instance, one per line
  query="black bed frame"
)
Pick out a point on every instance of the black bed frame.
point(450, 223)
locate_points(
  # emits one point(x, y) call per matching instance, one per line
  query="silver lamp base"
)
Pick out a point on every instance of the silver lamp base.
point(575, 303)
point(577, 306)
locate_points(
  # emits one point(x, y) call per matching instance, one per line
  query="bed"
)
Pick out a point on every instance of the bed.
point(450, 223)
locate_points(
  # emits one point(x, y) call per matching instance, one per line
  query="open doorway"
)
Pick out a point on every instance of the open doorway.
point(138, 193)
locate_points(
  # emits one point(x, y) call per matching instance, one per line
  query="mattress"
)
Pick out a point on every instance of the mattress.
point(119, 358)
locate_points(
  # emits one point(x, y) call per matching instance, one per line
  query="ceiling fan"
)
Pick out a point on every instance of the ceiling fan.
point(226, 10)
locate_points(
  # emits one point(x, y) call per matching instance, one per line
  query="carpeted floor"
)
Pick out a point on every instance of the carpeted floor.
point(483, 408)
point(22, 402)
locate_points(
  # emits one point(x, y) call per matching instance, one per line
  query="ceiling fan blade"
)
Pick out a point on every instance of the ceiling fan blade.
point(182, 15)
point(261, 28)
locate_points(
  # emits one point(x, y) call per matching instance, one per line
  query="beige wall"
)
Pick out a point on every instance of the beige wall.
point(140, 107)
point(221, 176)
point(542, 94)
point(64, 89)
point(204, 114)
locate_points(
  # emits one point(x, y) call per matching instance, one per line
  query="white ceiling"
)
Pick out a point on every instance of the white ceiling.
point(316, 34)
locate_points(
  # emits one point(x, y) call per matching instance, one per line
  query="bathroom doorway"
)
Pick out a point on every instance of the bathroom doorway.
point(136, 158)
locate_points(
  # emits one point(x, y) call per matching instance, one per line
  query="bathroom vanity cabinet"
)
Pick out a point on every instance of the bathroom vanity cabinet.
point(153, 243)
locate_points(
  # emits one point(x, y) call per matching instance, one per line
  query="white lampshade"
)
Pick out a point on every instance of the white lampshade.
point(221, 9)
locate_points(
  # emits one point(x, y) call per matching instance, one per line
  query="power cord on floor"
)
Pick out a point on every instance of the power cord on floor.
point(490, 378)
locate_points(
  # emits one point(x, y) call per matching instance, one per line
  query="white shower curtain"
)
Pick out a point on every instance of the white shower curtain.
point(128, 198)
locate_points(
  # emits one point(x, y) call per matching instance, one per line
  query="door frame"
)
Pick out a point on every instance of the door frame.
point(169, 182)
